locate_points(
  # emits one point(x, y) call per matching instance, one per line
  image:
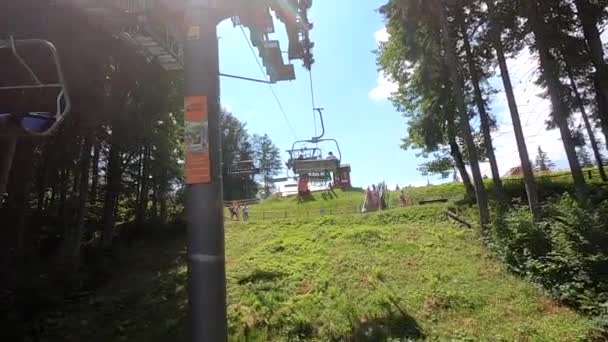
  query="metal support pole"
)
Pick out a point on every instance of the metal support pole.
point(204, 210)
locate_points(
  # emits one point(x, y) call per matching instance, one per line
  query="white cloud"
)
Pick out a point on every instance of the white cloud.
point(381, 35)
point(384, 86)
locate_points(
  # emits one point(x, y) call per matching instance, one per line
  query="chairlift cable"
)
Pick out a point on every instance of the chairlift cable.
point(274, 94)
point(312, 99)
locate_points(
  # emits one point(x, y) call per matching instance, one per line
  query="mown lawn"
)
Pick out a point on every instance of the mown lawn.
point(394, 275)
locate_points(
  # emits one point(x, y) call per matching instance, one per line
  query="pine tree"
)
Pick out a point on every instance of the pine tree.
point(495, 33)
point(543, 163)
point(584, 157)
point(268, 158)
point(537, 14)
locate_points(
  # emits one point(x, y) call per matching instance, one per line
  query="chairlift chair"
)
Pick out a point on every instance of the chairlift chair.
point(34, 121)
point(306, 166)
point(305, 153)
point(244, 168)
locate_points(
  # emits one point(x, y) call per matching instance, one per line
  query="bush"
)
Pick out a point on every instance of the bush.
point(566, 252)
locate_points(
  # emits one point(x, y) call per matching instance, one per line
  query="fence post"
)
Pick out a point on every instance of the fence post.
point(285, 214)
point(263, 215)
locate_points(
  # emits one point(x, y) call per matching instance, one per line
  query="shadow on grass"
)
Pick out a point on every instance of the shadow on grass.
point(259, 276)
point(394, 325)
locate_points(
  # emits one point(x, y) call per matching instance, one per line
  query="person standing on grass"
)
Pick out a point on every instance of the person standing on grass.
point(246, 213)
point(231, 209)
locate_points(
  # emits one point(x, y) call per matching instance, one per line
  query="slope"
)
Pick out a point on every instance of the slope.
point(399, 274)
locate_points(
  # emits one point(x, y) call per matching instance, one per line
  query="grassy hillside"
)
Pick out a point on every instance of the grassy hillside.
point(399, 274)
point(549, 184)
point(339, 201)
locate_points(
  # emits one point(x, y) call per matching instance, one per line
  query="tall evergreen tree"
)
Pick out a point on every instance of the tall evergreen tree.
point(590, 14)
point(475, 73)
point(536, 12)
point(449, 46)
point(543, 163)
point(268, 158)
point(495, 33)
point(585, 157)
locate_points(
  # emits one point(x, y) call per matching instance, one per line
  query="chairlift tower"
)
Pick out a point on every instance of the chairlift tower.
point(207, 286)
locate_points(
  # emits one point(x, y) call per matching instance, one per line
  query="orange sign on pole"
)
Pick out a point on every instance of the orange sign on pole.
point(196, 131)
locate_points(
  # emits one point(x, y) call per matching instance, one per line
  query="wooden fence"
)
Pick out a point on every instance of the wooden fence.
point(255, 215)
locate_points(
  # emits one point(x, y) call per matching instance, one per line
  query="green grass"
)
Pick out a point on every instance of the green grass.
point(338, 202)
point(399, 274)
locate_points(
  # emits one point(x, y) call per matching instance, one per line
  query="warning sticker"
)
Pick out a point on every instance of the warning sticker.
point(198, 165)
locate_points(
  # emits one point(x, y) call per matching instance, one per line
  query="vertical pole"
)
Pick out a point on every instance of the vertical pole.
point(204, 209)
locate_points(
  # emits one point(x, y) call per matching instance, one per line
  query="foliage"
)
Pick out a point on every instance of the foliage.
point(584, 157)
point(442, 164)
point(566, 252)
point(237, 146)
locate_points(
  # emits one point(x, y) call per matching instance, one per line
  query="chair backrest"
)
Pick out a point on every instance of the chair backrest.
point(316, 165)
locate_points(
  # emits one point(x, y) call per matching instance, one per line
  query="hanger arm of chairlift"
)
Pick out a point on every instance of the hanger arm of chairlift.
point(314, 140)
point(246, 79)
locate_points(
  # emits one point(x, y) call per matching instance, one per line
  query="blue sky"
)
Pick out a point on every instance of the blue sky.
point(354, 95)
point(345, 72)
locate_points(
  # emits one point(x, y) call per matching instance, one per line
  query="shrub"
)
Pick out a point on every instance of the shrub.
point(566, 252)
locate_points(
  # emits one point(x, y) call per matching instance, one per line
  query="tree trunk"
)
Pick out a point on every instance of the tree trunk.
point(95, 174)
point(458, 159)
point(7, 151)
point(63, 190)
point(42, 178)
point(76, 171)
point(524, 157)
point(75, 232)
point(550, 71)
point(162, 198)
point(483, 114)
point(143, 196)
point(22, 178)
point(154, 208)
point(588, 15)
point(114, 175)
point(458, 94)
point(588, 127)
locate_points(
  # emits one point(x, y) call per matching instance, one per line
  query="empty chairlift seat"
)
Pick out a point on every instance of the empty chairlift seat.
point(36, 123)
point(36, 107)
